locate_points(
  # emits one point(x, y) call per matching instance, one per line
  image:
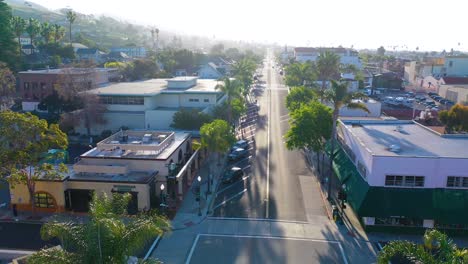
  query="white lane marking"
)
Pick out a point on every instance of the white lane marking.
point(267, 214)
point(152, 248)
point(274, 237)
point(192, 249)
point(268, 237)
point(233, 184)
point(229, 199)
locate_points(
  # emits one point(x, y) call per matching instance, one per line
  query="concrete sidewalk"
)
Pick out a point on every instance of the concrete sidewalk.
point(191, 211)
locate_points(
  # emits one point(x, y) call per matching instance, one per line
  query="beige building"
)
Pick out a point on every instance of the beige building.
point(135, 162)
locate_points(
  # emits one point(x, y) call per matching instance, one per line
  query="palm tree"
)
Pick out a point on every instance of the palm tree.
point(437, 248)
point(46, 32)
point(33, 28)
point(338, 96)
point(328, 68)
point(243, 71)
point(110, 235)
point(18, 25)
point(231, 88)
point(58, 32)
point(71, 17)
point(299, 74)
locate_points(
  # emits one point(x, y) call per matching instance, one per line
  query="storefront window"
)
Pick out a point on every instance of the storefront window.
point(44, 200)
point(399, 221)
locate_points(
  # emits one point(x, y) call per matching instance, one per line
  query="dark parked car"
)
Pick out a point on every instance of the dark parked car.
point(232, 174)
point(238, 154)
point(244, 144)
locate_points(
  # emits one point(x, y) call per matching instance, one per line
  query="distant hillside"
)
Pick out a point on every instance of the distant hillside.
point(104, 32)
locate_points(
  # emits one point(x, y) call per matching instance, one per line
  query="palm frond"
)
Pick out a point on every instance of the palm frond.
point(358, 105)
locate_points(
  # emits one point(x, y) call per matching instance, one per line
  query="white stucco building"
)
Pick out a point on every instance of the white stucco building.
point(402, 173)
point(151, 104)
point(347, 56)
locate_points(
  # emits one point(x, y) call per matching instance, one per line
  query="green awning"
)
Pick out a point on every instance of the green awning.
point(444, 205)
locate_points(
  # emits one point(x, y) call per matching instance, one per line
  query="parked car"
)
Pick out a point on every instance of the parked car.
point(238, 154)
point(244, 144)
point(232, 174)
point(431, 93)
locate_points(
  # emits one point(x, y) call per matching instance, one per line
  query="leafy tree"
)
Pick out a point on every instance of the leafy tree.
point(71, 17)
point(58, 32)
point(231, 88)
point(7, 51)
point(70, 89)
point(110, 235)
point(338, 96)
point(7, 86)
point(18, 26)
point(437, 248)
point(33, 28)
point(190, 119)
point(328, 68)
point(310, 127)
point(299, 74)
point(217, 136)
point(381, 51)
point(298, 96)
point(217, 49)
point(455, 119)
point(26, 138)
point(239, 107)
point(46, 32)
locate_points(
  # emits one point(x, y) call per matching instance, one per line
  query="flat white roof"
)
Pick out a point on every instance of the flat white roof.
point(412, 139)
point(132, 153)
point(153, 87)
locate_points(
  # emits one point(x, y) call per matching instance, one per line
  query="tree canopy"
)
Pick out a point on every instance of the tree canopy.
point(8, 50)
point(190, 119)
point(110, 235)
point(437, 248)
point(298, 96)
point(26, 138)
point(300, 74)
point(455, 119)
point(217, 136)
point(311, 126)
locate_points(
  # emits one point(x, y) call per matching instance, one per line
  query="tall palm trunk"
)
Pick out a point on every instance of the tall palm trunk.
point(332, 149)
point(322, 92)
point(70, 27)
point(32, 45)
point(229, 110)
point(19, 52)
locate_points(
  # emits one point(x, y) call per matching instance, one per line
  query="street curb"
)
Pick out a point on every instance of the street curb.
point(23, 221)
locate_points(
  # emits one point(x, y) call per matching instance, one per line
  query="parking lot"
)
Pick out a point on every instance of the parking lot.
point(209, 248)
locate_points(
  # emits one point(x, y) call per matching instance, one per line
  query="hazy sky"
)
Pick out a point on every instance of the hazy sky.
point(427, 24)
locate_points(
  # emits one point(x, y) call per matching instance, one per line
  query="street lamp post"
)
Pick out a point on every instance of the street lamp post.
point(209, 185)
point(162, 205)
point(199, 190)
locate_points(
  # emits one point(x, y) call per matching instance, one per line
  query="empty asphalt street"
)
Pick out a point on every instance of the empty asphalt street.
point(271, 188)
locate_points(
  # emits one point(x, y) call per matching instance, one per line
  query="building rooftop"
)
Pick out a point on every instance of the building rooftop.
point(133, 176)
point(142, 144)
point(156, 86)
point(407, 139)
point(67, 71)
